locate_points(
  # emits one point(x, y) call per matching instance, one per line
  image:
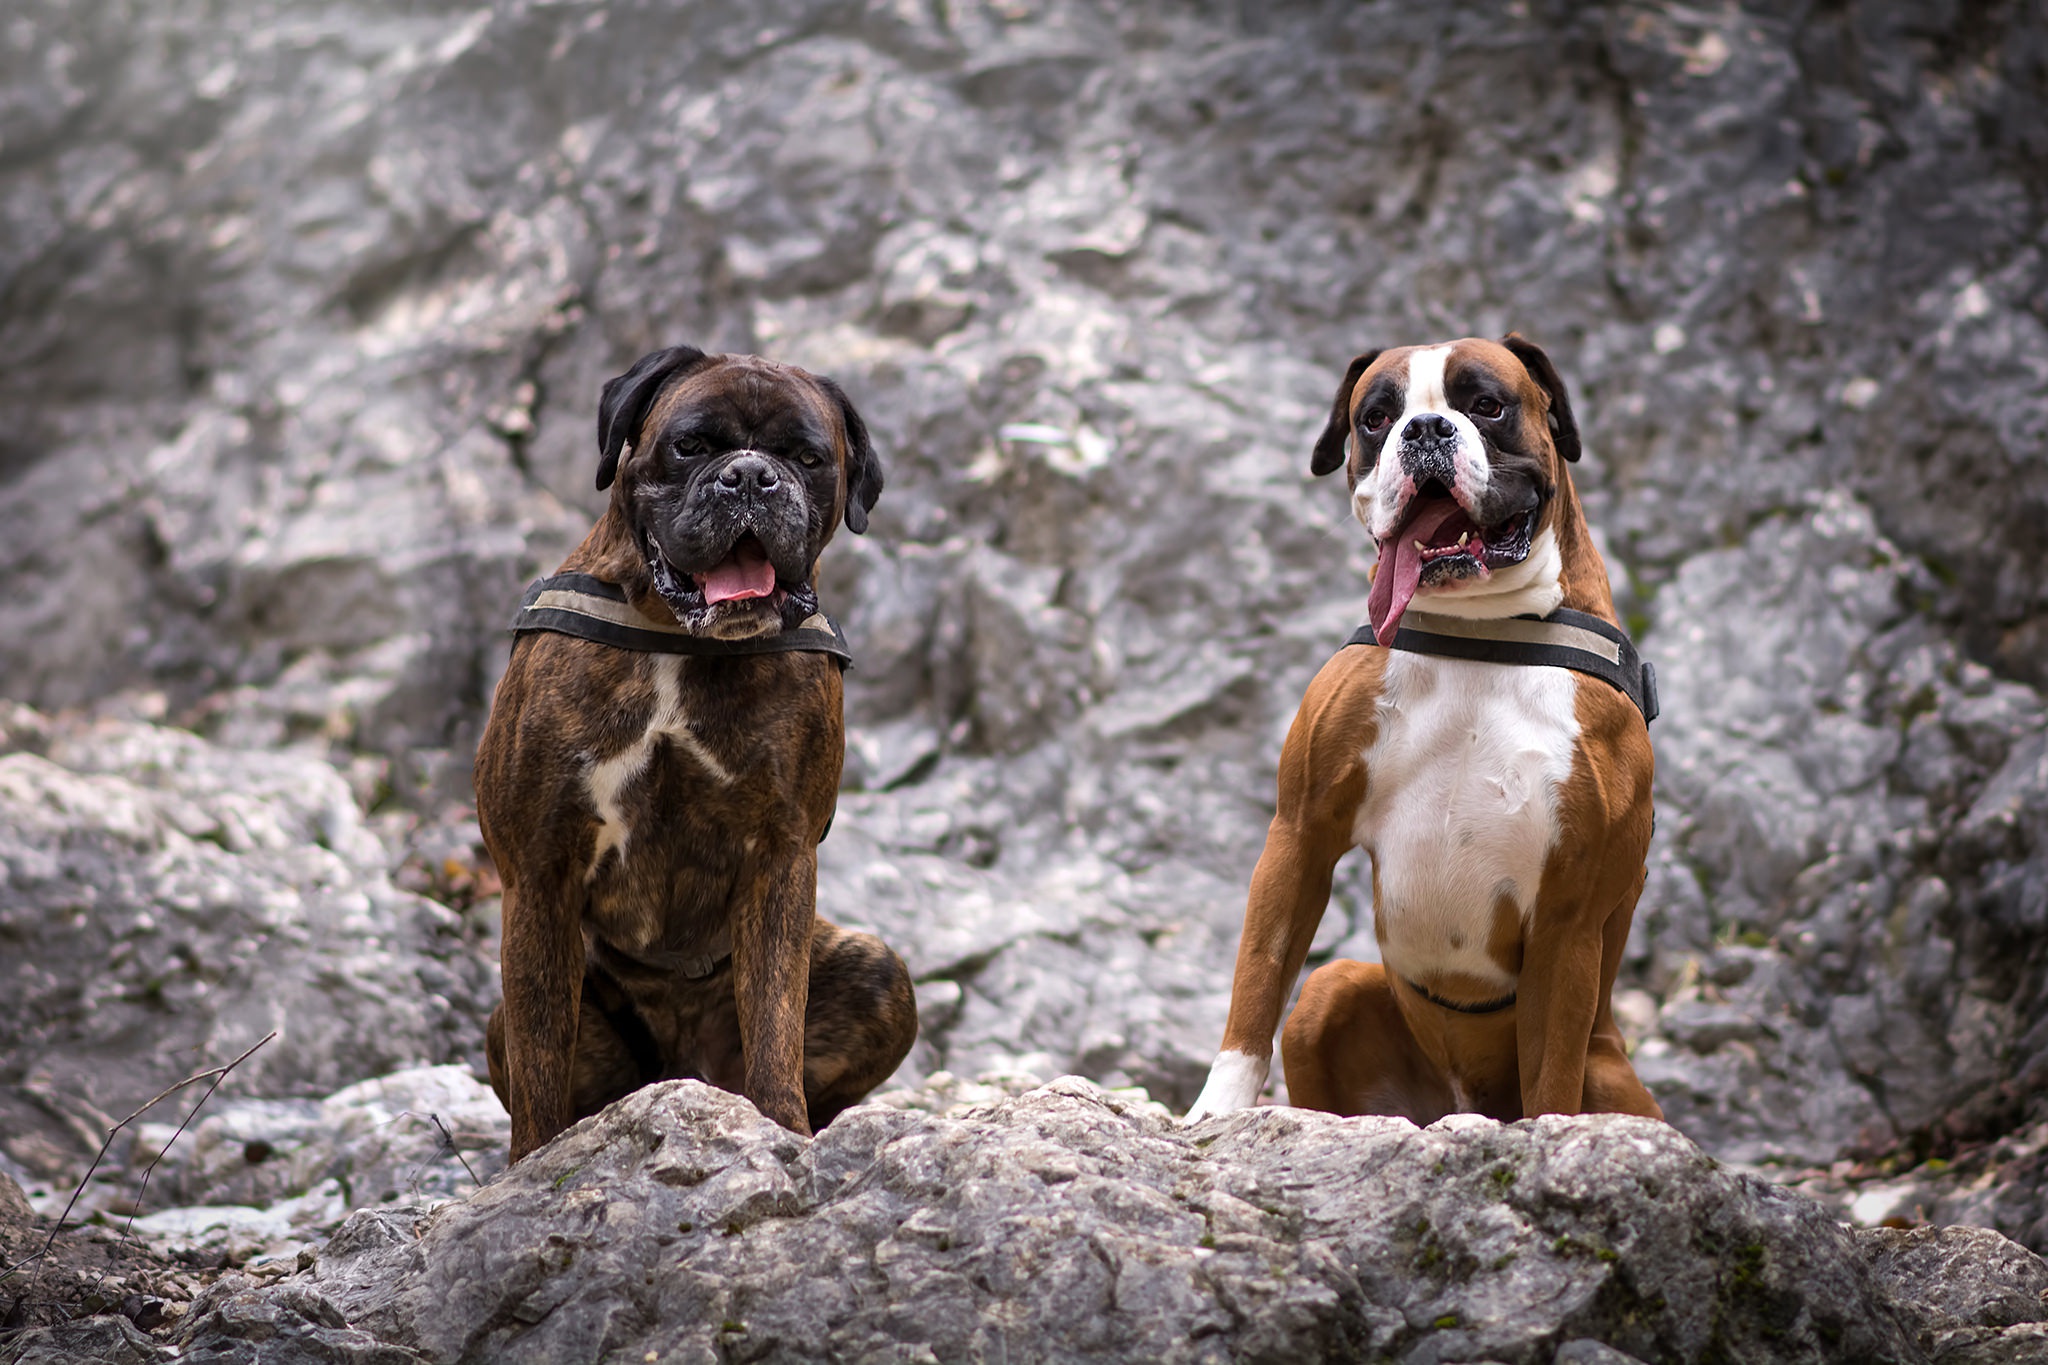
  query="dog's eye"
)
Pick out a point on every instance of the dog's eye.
point(1487, 407)
point(685, 447)
point(809, 457)
point(1374, 420)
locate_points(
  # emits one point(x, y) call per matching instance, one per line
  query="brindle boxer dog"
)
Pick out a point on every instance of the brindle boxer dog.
point(1505, 805)
point(655, 815)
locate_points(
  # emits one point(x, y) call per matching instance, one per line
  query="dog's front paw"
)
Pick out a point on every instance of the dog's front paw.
point(1235, 1080)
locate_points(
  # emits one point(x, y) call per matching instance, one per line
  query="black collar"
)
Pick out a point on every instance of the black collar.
point(1563, 639)
point(1483, 1007)
point(592, 609)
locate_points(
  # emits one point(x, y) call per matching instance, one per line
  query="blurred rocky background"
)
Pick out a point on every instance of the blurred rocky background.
point(304, 308)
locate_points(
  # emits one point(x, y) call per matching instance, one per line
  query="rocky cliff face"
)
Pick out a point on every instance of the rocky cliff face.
point(303, 312)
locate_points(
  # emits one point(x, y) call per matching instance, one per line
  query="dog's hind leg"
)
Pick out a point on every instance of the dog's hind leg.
point(616, 1053)
point(610, 1060)
point(1612, 1086)
point(1348, 1050)
point(860, 1021)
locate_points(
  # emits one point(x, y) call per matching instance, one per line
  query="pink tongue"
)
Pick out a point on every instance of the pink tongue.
point(1400, 568)
point(744, 573)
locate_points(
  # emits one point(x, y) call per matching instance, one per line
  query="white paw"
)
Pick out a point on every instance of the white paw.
point(1235, 1080)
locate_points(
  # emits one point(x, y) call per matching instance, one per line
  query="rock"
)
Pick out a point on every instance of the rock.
point(1066, 1222)
point(291, 1325)
point(49, 1279)
point(1962, 1286)
point(426, 1132)
point(305, 323)
point(167, 903)
point(263, 1180)
point(106, 1338)
point(1839, 977)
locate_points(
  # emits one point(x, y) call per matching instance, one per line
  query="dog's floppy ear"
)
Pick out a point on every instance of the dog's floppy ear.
point(863, 466)
point(1329, 451)
point(1564, 428)
point(626, 400)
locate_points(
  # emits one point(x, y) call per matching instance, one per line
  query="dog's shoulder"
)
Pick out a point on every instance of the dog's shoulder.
point(1322, 772)
point(1611, 726)
point(561, 699)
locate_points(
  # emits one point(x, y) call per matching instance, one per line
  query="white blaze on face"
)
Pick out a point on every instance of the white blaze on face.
point(1380, 503)
point(1383, 494)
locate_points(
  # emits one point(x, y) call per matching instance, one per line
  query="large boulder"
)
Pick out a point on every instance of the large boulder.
point(1070, 1223)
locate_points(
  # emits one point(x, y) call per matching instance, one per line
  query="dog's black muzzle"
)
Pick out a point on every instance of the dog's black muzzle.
point(751, 494)
point(748, 475)
point(1427, 451)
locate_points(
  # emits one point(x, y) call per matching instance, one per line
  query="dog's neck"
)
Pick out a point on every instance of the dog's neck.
point(1582, 572)
point(612, 552)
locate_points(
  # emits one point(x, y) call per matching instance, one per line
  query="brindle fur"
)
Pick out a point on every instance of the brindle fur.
point(721, 828)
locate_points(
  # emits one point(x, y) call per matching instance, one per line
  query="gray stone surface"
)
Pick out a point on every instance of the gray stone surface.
point(1846, 972)
point(165, 904)
point(1069, 1223)
point(307, 312)
point(257, 1182)
point(303, 312)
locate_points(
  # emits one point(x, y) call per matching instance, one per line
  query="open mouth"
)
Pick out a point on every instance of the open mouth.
point(744, 573)
point(738, 596)
point(1437, 544)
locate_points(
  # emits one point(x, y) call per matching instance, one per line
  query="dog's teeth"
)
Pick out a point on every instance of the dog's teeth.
point(1420, 547)
point(1463, 536)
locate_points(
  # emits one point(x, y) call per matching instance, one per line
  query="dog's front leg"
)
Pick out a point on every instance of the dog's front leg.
point(771, 966)
point(541, 961)
point(1559, 997)
point(1290, 890)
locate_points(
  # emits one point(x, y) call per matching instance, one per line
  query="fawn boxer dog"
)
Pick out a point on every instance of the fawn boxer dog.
point(663, 756)
point(1489, 750)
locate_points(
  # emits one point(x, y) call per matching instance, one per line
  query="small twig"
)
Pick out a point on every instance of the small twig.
point(190, 1114)
point(450, 1137)
point(218, 1073)
point(412, 1179)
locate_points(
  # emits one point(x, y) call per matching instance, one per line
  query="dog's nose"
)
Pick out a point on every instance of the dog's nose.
point(755, 470)
point(1430, 426)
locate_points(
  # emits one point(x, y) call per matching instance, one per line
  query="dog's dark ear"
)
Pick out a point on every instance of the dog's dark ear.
point(626, 400)
point(863, 466)
point(1329, 451)
point(1564, 428)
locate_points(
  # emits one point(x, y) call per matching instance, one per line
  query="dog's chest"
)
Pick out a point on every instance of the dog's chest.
point(683, 810)
point(669, 735)
point(1460, 810)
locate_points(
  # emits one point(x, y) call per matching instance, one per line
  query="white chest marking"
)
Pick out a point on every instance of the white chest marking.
point(1460, 805)
point(609, 778)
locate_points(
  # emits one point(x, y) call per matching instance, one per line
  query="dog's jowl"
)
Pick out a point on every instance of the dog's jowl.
point(1484, 738)
point(663, 757)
